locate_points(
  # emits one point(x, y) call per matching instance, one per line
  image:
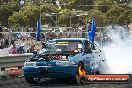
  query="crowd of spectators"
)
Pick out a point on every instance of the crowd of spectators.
point(19, 44)
point(23, 47)
point(11, 39)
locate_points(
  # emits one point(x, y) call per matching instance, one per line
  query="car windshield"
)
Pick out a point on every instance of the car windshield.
point(64, 46)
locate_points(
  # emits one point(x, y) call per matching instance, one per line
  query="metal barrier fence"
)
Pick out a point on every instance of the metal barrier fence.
point(4, 51)
point(45, 36)
point(13, 60)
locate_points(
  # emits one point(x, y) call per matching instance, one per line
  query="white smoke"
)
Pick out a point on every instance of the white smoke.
point(119, 52)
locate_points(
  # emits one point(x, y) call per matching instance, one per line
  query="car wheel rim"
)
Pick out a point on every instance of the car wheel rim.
point(36, 79)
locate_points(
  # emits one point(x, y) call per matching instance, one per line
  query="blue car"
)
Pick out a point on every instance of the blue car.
point(64, 58)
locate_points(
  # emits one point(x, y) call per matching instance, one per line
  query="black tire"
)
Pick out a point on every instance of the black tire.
point(32, 80)
point(97, 72)
point(80, 74)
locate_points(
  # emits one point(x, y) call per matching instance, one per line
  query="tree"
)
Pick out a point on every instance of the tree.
point(103, 11)
point(68, 18)
point(78, 4)
point(100, 18)
point(48, 9)
point(27, 16)
point(7, 8)
point(122, 1)
point(103, 5)
point(119, 15)
point(125, 18)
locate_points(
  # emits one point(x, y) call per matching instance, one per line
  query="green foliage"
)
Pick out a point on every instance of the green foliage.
point(7, 8)
point(103, 11)
point(119, 15)
point(100, 18)
point(81, 4)
point(49, 8)
point(103, 5)
point(27, 16)
point(63, 19)
point(66, 17)
point(125, 17)
point(122, 1)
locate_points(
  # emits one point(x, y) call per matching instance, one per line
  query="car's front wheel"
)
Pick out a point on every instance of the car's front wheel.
point(32, 80)
point(79, 77)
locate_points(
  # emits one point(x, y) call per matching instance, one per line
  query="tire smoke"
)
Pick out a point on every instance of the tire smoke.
point(119, 51)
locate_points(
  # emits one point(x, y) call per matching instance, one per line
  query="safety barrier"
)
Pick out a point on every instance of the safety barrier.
point(13, 60)
point(4, 52)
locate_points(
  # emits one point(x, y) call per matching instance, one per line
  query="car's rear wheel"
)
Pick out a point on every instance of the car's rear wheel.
point(32, 80)
point(79, 77)
point(97, 72)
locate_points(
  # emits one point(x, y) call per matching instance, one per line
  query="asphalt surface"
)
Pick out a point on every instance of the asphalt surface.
point(55, 83)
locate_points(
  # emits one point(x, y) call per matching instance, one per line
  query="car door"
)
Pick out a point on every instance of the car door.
point(92, 55)
point(98, 57)
point(88, 57)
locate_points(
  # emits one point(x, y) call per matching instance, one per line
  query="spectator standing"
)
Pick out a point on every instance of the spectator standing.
point(12, 42)
point(6, 43)
point(89, 25)
point(14, 50)
point(43, 45)
point(31, 49)
point(9, 49)
point(26, 47)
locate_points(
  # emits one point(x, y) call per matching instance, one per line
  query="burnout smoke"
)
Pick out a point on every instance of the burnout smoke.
point(119, 51)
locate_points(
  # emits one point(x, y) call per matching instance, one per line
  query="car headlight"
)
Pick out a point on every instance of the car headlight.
point(29, 64)
point(58, 63)
point(72, 62)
